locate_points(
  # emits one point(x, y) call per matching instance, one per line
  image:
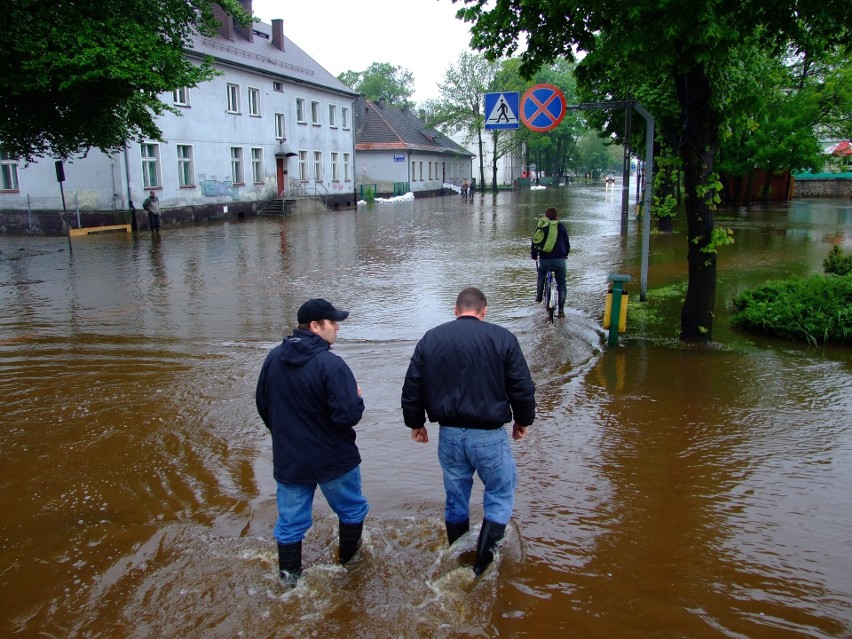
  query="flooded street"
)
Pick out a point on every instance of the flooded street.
point(664, 490)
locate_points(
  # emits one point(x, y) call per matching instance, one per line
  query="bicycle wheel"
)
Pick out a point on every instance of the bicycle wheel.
point(550, 298)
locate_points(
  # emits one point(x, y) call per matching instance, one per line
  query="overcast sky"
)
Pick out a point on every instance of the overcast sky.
point(422, 36)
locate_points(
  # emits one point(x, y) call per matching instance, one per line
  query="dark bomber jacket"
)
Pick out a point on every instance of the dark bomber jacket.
point(308, 398)
point(468, 373)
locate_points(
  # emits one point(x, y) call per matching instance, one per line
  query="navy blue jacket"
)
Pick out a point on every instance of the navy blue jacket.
point(560, 249)
point(468, 373)
point(308, 398)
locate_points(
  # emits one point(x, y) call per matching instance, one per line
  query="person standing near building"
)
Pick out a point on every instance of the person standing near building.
point(471, 377)
point(152, 207)
point(309, 400)
point(550, 246)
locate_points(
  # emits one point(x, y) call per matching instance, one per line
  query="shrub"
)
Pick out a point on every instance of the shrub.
point(817, 310)
point(837, 262)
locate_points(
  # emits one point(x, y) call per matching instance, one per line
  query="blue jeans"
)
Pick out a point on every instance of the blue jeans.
point(295, 505)
point(558, 266)
point(463, 451)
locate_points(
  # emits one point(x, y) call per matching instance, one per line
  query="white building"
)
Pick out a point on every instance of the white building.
point(274, 124)
point(398, 152)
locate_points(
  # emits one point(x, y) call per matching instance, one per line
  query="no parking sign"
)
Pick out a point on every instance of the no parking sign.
point(542, 108)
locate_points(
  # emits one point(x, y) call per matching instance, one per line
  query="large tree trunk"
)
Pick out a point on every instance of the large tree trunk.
point(699, 143)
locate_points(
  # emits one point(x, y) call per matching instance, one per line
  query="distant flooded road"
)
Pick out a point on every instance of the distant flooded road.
point(664, 491)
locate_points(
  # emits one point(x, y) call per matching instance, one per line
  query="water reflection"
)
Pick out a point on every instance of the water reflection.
point(665, 491)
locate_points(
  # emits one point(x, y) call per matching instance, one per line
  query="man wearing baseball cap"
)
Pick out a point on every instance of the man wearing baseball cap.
point(309, 400)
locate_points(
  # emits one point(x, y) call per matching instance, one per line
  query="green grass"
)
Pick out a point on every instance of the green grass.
point(816, 310)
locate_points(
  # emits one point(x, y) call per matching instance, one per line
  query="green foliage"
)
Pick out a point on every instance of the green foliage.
point(837, 262)
point(709, 191)
point(816, 310)
point(718, 237)
point(382, 81)
point(88, 74)
point(667, 176)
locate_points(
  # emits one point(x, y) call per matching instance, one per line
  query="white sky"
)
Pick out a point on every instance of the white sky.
point(422, 36)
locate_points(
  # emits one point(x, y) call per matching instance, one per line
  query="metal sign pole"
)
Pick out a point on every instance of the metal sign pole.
point(60, 177)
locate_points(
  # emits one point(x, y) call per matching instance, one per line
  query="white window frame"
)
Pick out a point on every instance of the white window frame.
point(315, 112)
point(186, 172)
point(300, 111)
point(413, 171)
point(318, 166)
point(233, 98)
point(303, 165)
point(332, 116)
point(344, 115)
point(180, 97)
point(278, 86)
point(237, 169)
point(280, 127)
point(150, 155)
point(8, 172)
point(254, 102)
point(257, 165)
point(335, 168)
point(346, 165)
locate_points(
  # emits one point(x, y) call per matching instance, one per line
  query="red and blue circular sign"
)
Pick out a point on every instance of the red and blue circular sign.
point(542, 108)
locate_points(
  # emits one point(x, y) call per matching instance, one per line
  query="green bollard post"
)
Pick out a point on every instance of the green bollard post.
point(618, 280)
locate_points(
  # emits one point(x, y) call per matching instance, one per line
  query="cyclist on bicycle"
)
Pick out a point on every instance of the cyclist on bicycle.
point(551, 248)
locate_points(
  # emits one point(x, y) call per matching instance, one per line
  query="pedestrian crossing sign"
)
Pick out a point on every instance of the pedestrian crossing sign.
point(501, 110)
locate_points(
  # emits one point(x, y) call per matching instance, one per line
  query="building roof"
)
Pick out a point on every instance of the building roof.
point(388, 128)
point(261, 54)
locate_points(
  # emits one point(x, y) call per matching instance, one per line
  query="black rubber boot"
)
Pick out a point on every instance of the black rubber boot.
point(290, 561)
point(350, 539)
point(456, 529)
point(489, 535)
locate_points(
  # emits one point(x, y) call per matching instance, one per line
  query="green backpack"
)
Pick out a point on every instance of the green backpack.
point(544, 237)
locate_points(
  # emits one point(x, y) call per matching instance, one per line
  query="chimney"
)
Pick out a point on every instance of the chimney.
point(382, 104)
point(246, 32)
point(226, 22)
point(278, 33)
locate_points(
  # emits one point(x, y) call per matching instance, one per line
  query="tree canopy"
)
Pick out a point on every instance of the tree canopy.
point(692, 46)
point(382, 81)
point(83, 74)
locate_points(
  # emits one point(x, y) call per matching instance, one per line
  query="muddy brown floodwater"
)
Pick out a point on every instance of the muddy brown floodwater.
point(664, 490)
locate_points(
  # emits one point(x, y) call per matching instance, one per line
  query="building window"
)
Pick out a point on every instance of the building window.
point(413, 171)
point(430, 169)
point(8, 172)
point(335, 169)
point(233, 98)
point(318, 166)
point(257, 165)
point(303, 166)
point(344, 113)
point(421, 171)
point(237, 176)
point(315, 112)
point(278, 86)
point(184, 160)
point(150, 165)
point(181, 96)
point(254, 101)
point(300, 110)
point(280, 132)
point(346, 165)
point(332, 116)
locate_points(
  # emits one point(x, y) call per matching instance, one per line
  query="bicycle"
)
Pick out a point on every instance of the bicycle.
point(550, 295)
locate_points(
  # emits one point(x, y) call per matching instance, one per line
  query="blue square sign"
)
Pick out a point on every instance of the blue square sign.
point(501, 110)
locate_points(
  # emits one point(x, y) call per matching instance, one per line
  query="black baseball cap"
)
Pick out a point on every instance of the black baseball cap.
point(318, 309)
